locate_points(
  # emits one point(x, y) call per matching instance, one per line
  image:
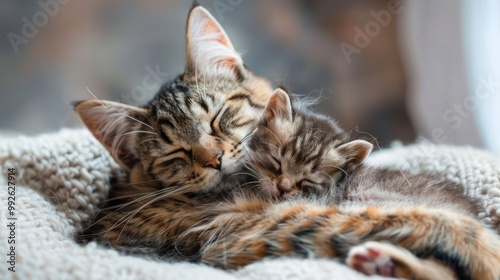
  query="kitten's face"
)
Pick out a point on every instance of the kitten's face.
point(298, 152)
point(192, 133)
point(201, 128)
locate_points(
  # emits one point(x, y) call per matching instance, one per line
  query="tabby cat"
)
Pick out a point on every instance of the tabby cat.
point(296, 152)
point(190, 140)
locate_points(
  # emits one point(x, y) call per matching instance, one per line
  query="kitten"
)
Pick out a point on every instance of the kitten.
point(300, 152)
point(296, 152)
point(191, 134)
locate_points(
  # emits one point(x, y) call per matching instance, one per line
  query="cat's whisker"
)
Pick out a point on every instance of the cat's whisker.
point(140, 131)
point(337, 167)
point(132, 214)
point(243, 173)
point(145, 196)
point(250, 166)
point(142, 182)
point(132, 118)
point(251, 182)
point(149, 139)
point(96, 97)
point(124, 196)
point(249, 135)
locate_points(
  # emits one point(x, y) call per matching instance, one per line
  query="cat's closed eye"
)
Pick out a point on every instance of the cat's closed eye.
point(310, 187)
point(276, 164)
point(180, 150)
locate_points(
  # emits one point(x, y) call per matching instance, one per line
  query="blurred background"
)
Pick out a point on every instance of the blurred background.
point(397, 70)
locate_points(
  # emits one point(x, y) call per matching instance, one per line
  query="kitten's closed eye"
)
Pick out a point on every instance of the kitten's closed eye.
point(180, 150)
point(309, 186)
point(276, 164)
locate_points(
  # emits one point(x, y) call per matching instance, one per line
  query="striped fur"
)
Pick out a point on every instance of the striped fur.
point(231, 231)
point(296, 151)
point(425, 229)
point(169, 147)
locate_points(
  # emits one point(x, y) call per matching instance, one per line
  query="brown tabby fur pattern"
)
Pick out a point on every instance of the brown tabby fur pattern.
point(233, 232)
point(310, 152)
point(431, 220)
point(189, 139)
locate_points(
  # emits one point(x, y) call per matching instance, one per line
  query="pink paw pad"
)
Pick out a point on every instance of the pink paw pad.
point(370, 261)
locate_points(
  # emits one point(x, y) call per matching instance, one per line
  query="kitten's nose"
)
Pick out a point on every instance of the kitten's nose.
point(284, 185)
point(216, 161)
point(208, 153)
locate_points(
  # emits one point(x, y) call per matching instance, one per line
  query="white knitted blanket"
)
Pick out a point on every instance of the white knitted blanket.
point(61, 177)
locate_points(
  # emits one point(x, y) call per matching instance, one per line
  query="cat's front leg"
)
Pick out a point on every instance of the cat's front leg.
point(376, 258)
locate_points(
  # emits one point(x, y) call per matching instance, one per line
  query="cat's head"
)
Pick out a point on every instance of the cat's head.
point(295, 151)
point(192, 133)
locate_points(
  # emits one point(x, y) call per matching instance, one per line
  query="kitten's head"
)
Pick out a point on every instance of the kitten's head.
point(295, 151)
point(192, 133)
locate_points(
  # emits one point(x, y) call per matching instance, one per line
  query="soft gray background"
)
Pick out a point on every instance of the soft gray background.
point(398, 87)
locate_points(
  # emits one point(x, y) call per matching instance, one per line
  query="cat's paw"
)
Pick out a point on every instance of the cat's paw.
point(376, 258)
point(370, 259)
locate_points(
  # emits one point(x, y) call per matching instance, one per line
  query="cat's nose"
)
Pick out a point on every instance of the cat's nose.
point(208, 153)
point(216, 161)
point(284, 185)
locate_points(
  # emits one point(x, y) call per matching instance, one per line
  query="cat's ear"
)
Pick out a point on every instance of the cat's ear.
point(278, 107)
point(113, 124)
point(355, 151)
point(208, 48)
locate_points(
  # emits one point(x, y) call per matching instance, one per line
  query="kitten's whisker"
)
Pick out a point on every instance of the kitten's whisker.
point(121, 206)
point(96, 98)
point(337, 167)
point(125, 115)
point(250, 134)
point(145, 196)
point(243, 173)
point(132, 215)
point(149, 139)
point(140, 131)
point(142, 182)
point(251, 182)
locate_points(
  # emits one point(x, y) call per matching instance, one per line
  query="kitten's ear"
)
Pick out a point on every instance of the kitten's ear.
point(278, 107)
point(355, 151)
point(113, 125)
point(208, 49)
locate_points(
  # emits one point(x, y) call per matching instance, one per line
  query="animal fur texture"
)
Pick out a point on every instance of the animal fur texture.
point(182, 150)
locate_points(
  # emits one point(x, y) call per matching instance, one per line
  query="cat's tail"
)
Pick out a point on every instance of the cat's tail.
point(239, 236)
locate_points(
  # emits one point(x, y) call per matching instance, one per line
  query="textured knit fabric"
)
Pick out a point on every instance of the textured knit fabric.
point(61, 177)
